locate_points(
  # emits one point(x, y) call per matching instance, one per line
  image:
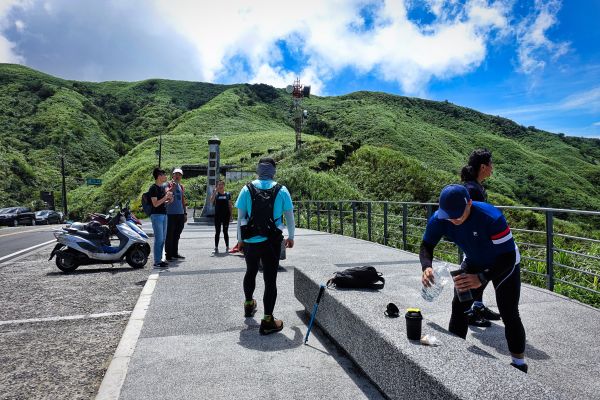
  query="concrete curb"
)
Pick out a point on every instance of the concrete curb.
point(110, 388)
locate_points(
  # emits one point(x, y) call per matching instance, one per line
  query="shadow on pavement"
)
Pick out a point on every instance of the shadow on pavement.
point(251, 339)
point(92, 271)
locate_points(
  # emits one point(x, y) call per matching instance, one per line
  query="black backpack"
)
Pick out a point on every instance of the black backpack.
point(365, 277)
point(261, 222)
point(147, 203)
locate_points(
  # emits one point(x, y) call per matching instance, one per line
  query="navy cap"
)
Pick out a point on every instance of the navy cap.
point(453, 201)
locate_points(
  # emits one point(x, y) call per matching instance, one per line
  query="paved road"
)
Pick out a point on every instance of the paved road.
point(13, 240)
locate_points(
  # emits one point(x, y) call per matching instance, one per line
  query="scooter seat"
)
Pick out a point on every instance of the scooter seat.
point(86, 235)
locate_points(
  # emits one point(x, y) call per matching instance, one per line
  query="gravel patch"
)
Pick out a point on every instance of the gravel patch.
point(63, 359)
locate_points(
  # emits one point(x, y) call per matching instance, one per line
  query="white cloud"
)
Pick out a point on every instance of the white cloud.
point(397, 49)
point(596, 123)
point(8, 52)
point(534, 45)
point(20, 25)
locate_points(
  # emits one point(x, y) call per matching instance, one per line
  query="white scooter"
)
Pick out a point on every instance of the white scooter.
point(90, 244)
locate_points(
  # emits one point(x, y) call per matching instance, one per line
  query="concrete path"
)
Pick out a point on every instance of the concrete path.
point(195, 342)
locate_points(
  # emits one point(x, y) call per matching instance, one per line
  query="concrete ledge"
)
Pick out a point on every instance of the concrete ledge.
point(403, 369)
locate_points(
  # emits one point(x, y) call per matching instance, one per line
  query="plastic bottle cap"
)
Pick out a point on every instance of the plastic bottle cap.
point(413, 310)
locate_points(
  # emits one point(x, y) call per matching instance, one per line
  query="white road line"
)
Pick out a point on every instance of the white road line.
point(25, 250)
point(65, 318)
point(111, 385)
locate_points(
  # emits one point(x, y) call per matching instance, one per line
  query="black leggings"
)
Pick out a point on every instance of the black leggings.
point(268, 253)
point(221, 220)
point(508, 292)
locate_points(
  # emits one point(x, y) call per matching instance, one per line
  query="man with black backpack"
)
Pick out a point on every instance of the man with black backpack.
point(261, 206)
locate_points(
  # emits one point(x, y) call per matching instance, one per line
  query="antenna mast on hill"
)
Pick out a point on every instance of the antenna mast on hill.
point(298, 92)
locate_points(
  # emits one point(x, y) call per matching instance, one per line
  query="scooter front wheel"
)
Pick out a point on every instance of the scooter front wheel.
point(66, 262)
point(137, 257)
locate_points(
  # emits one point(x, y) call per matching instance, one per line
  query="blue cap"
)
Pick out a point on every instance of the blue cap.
point(453, 201)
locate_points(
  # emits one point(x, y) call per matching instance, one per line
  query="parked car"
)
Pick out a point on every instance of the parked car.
point(15, 216)
point(47, 217)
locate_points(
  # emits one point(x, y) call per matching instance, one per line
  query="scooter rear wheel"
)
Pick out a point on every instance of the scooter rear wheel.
point(66, 262)
point(137, 257)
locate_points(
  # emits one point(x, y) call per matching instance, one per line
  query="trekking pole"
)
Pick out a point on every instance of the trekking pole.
point(314, 312)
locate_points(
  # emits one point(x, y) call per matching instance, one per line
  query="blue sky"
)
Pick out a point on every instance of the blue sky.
point(536, 62)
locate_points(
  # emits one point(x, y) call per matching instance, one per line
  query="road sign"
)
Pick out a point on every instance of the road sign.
point(93, 181)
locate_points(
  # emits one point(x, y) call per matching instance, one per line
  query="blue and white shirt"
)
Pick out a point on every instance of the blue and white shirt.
point(483, 237)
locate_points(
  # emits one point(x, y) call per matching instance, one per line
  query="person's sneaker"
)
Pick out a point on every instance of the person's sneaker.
point(522, 367)
point(270, 325)
point(216, 250)
point(249, 308)
point(161, 264)
point(477, 320)
point(486, 313)
point(179, 256)
point(226, 249)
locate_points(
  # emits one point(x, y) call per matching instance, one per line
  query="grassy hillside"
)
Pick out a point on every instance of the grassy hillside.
point(360, 146)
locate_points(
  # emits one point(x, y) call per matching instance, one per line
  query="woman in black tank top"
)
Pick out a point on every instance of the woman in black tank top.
point(478, 169)
point(223, 212)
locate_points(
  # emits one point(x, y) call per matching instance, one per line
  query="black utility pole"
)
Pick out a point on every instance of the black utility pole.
point(64, 185)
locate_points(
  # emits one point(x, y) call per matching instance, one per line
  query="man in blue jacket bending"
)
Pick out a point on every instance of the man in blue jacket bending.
point(482, 233)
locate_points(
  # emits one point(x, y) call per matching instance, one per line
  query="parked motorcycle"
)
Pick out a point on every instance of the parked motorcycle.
point(85, 244)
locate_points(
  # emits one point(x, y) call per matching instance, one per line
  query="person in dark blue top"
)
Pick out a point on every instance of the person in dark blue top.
point(478, 169)
point(482, 233)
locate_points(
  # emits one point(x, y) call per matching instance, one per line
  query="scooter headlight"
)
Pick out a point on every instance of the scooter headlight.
point(57, 234)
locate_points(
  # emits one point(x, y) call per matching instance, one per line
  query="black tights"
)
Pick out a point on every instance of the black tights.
point(508, 292)
point(266, 252)
point(218, 222)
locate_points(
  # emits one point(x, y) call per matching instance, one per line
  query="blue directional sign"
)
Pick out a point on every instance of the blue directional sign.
point(93, 181)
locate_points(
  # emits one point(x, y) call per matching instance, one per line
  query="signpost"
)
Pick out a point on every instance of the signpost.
point(93, 181)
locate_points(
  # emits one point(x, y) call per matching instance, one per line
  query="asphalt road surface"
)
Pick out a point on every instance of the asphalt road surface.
point(15, 240)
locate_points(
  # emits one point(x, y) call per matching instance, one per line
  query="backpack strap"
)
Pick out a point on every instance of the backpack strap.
point(277, 188)
point(253, 191)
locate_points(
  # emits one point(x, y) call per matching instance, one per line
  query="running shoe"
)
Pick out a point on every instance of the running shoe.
point(522, 367)
point(477, 320)
point(270, 325)
point(486, 313)
point(249, 309)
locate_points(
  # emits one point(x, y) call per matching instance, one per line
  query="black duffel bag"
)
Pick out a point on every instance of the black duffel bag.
point(365, 277)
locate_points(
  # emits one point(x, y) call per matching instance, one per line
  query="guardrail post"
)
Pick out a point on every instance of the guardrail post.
point(298, 209)
point(354, 219)
point(318, 215)
point(308, 215)
point(369, 220)
point(549, 251)
point(341, 218)
point(429, 211)
point(329, 217)
point(385, 223)
point(404, 222)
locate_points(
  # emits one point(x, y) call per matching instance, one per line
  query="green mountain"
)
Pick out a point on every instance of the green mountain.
point(363, 145)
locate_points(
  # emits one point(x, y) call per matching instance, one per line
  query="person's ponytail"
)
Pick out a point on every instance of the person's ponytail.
point(467, 174)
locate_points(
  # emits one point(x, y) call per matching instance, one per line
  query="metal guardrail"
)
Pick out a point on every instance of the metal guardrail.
point(401, 225)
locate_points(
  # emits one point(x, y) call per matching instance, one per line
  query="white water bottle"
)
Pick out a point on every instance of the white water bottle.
point(441, 277)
